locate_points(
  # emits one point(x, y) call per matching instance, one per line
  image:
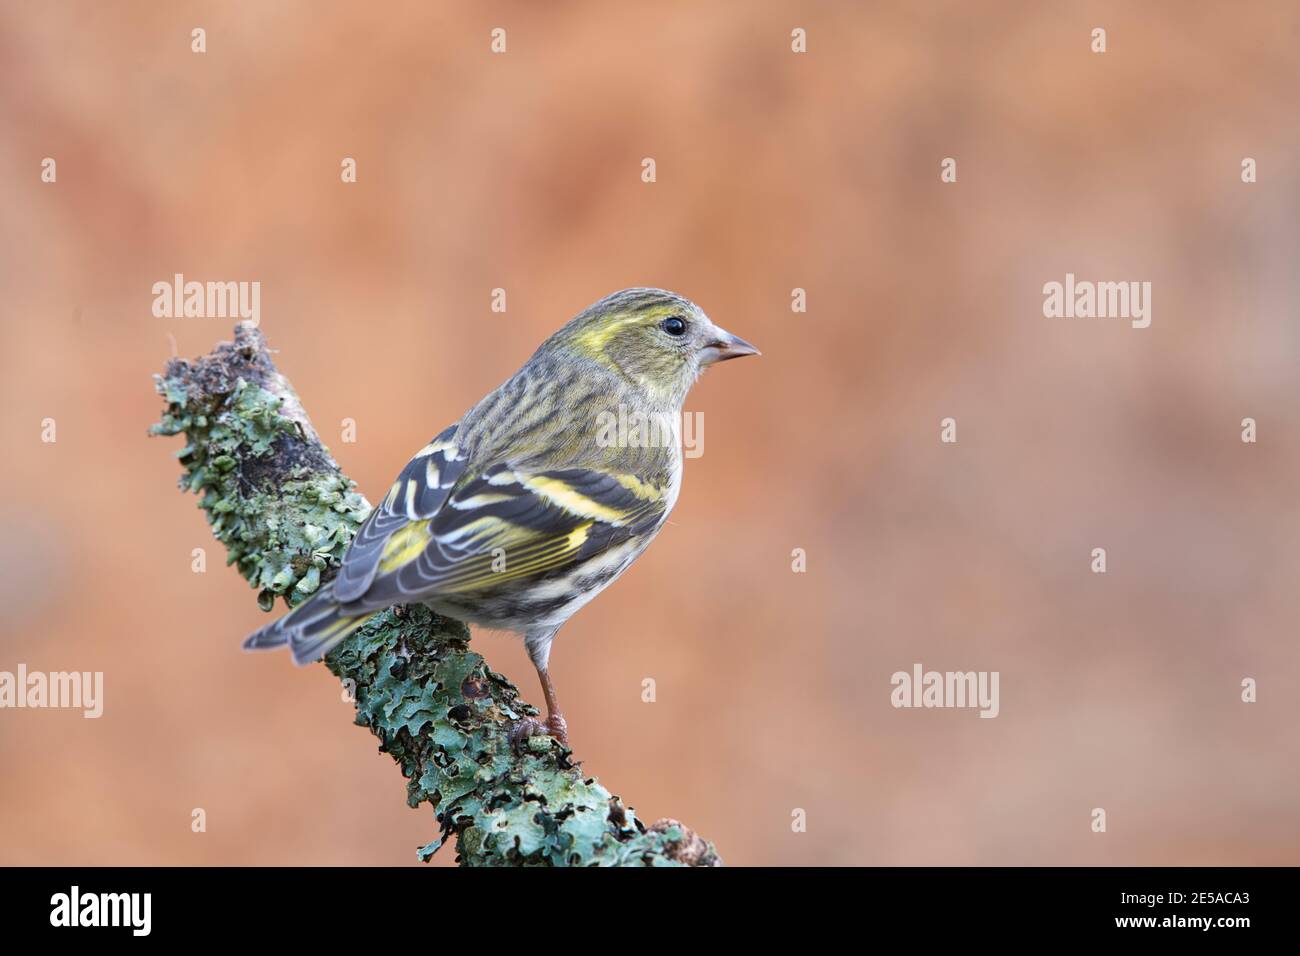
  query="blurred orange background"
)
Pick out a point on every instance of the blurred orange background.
point(775, 171)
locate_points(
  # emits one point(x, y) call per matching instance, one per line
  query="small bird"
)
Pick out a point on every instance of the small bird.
point(540, 496)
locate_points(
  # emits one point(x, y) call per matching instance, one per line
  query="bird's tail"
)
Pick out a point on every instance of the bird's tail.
point(311, 629)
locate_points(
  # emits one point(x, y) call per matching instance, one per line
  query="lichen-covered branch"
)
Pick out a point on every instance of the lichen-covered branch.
point(285, 512)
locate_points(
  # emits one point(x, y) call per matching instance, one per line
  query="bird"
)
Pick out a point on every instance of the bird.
point(542, 494)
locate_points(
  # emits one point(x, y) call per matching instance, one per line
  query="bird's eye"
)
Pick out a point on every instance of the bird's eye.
point(675, 325)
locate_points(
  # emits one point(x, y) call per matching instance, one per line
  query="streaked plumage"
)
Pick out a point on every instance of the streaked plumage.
point(524, 510)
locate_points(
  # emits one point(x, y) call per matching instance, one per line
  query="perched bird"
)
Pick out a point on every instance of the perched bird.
point(540, 496)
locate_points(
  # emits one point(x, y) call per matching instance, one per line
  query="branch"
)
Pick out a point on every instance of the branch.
point(286, 513)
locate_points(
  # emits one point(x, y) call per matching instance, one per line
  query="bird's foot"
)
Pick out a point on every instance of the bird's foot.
point(559, 728)
point(554, 726)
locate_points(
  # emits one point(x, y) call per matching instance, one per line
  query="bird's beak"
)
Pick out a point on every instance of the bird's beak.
point(727, 346)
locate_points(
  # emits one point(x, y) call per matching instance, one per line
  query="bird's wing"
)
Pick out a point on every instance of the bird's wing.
point(417, 494)
point(512, 525)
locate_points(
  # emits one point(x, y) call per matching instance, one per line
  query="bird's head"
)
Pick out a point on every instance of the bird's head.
point(657, 340)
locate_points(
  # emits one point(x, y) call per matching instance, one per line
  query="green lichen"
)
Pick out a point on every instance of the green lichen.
point(272, 496)
point(446, 718)
point(286, 513)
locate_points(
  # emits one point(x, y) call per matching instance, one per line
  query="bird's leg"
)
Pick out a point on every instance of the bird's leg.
point(538, 642)
point(555, 725)
point(555, 721)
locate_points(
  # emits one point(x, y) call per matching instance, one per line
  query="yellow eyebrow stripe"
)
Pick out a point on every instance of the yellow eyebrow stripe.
point(596, 338)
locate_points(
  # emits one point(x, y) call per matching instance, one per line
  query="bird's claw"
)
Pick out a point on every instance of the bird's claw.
point(528, 727)
point(559, 728)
